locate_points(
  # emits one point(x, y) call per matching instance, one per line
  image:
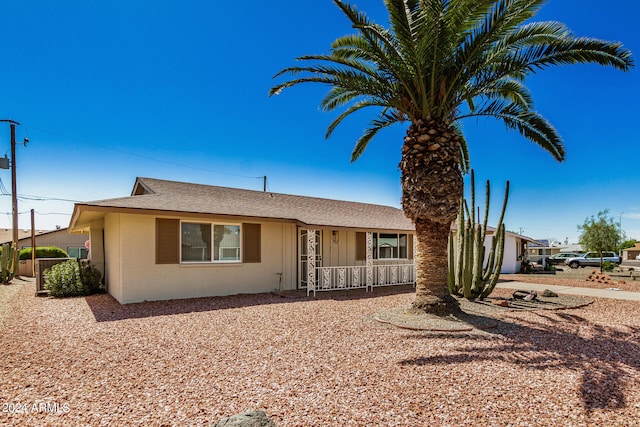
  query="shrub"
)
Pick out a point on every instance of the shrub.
point(90, 277)
point(607, 266)
point(526, 267)
point(63, 280)
point(71, 278)
point(44, 252)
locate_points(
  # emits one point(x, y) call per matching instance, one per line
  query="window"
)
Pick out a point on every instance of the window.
point(78, 252)
point(206, 242)
point(226, 240)
point(385, 246)
point(390, 246)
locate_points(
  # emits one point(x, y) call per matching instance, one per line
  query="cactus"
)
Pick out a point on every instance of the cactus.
point(468, 277)
point(7, 270)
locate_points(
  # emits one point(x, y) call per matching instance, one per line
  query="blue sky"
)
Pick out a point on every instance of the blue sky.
point(107, 91)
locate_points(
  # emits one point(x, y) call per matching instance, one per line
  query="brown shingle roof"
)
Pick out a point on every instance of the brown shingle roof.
point(172, 196)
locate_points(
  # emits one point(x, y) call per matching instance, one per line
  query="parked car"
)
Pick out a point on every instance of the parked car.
point(593, 259)
point(560, 258)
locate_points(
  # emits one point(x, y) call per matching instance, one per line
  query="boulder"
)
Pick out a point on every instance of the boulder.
point(246, 419)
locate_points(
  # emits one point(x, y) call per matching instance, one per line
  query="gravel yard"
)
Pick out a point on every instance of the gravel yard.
point(325, 362)
point(576, 277)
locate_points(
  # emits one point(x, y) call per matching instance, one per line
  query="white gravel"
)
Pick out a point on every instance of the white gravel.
point(90, 361)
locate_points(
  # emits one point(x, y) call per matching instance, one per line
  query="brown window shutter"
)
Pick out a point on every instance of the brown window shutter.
point(361, 246)
point(167, 241)
point(251, 243)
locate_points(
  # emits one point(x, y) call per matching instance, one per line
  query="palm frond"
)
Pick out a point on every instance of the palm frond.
point(385, 120)
point(465, 161)
point(580, 51)
point(352, 109)
point(528, 123)
point(437, 55)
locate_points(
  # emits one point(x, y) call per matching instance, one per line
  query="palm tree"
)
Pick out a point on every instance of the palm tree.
point(441, 61)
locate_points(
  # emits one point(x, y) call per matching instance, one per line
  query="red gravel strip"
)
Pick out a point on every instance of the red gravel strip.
point(90, 361)
point(622, 283)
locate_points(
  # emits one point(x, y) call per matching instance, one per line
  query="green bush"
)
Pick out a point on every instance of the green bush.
point(44, 252)
point(90, 277)
point(71, 278)
point(607, 266)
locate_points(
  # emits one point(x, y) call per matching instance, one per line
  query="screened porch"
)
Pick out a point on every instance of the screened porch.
point(364, 259)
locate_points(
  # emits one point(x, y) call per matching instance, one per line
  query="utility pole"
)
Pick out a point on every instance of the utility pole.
point(33, 243)
point(14, 199)
point(14, 194)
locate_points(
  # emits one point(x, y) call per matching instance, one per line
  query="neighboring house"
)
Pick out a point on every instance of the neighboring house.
point(539, 249)
point(516, 247)
point(631, 253)
point(173, 240)
point(73, 244)
point(6, 234)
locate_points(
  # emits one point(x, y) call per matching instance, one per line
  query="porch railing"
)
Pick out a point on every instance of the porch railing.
point(361, 276)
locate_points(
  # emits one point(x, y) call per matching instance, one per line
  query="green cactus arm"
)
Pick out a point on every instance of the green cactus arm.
point(499, 258)
point(486, 211)
point(452, 273)
point(460, 245)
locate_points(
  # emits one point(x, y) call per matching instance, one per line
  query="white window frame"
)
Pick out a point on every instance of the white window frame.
point(213, 260)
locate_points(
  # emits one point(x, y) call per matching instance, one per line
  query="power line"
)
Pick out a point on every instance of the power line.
point(142, 156)
point(38, 213)
point(42, 198)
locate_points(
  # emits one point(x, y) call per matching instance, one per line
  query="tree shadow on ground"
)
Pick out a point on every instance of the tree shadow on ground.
point(106, 309)
point(555, 340)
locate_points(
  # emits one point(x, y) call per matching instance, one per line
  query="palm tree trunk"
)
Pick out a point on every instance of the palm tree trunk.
point(432, 271)
point(431, 190)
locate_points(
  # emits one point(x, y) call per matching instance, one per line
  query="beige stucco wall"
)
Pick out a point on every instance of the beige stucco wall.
point(110, 256)
point(133, 275)
point(510, 263)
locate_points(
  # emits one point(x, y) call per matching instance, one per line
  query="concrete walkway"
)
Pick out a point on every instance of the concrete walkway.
point(570, 290)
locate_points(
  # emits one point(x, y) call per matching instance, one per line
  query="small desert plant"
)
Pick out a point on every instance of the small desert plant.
point(7, 270)
point(70, 279)
point(526, 267)
point(607, 266)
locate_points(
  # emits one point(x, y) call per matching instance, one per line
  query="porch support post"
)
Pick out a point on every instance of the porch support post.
point(311, 262)
point(415, 251)
point(369, 260)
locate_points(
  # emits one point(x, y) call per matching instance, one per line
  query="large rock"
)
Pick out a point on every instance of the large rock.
point(246, 419)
